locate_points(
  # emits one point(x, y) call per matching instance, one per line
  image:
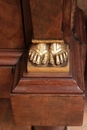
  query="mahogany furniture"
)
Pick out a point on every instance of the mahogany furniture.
point(40, 99)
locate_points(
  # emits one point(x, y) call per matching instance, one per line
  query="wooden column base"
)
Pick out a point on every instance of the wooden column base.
point(50, 99)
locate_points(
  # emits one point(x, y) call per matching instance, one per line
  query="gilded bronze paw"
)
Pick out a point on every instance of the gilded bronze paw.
point(39, 54)
point(58, 54)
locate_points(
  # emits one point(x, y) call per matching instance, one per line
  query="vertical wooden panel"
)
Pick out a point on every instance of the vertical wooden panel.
point(11, 30)
point(27, 22)
point(46, 18)
point(67, 20)
point(6, 79)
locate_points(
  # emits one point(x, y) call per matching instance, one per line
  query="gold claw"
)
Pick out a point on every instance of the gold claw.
point(51, 59)
point(64, 56)
point(38, 54)
point(45, 59)
point(35, 57)
point(58, 53)
point(57, 60)
point(61, 58)
point(38, 60)
point(32, 55)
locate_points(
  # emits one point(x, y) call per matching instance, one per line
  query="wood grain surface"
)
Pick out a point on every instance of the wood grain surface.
point(10, 57)
point(6, 79)
point(46, 18)
point(11, 28)
point(48, 110)
point(67, 20)
point(8, 60)
point(6, 117)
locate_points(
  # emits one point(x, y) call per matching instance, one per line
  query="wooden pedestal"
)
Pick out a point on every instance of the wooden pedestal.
point(39, 99)
point(50, 99)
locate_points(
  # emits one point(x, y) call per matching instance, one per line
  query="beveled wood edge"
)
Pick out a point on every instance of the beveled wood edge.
point(24, 87)
point(18, 71)
point(9, 57)
point(51, 95)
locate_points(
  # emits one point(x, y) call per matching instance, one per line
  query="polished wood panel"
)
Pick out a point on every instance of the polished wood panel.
point(80, 28)
point(27, 22)
point(46, 18)
point(37, 19)
point(67, 20)
point(6, 117)
point(48, 110)
point(11, 30)
point(6, 79)
point(8, 60)
point(10, 57)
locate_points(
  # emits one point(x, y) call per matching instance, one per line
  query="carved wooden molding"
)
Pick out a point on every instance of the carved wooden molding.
point(9, 57)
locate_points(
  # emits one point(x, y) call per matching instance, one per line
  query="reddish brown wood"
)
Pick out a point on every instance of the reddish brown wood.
point(27, 22)
point(11, 30)
point(83, 54)
point(18, 71)
point(6, 117)
point(10, 57)
point(50, 20)
point(46, 86)
point(80, 28)
point(48, 110)
point(46, 18)
point(6, 79)
point(67, 20)
point(80, 33)
point(49, 128)
point(32, 95)
point(78, 72)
